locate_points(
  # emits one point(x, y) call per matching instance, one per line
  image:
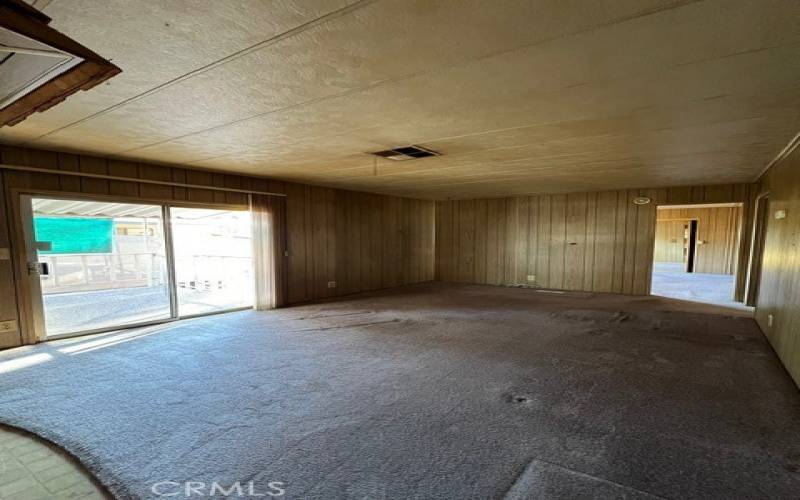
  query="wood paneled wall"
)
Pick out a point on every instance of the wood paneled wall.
point(717, 228)
point(779, 291)
point(597, 241)
point(672, 241)
point(361, 241)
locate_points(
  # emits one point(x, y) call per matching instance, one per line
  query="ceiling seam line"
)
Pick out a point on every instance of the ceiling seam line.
point(420, 142)
point(219, 62)
point(612, 22)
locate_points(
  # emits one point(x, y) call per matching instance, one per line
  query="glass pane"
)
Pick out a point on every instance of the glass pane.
point(107, 264)
point(213, 263)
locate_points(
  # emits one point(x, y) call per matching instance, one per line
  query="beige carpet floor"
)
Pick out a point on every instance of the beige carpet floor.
point(430, 391)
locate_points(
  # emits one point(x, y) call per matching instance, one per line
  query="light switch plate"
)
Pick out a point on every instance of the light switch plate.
point(5, 254)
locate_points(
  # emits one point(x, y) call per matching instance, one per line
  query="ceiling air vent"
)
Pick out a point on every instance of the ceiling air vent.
point(406, 153)
point(40, 67)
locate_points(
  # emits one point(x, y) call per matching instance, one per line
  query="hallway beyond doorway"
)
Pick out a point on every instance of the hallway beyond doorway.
point(671, 280)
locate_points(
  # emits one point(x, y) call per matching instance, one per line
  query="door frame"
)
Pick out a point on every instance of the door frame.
point(34, 284)
point(756, 254)
point(740, 236)
point(691, 245)
point(28, 287)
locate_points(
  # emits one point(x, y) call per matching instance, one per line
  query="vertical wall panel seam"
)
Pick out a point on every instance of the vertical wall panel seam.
point(637, 211)
point(624, 241)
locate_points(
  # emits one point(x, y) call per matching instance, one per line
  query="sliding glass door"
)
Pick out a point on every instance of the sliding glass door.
point(213, 259)
point(100, 264)
point(97, 266)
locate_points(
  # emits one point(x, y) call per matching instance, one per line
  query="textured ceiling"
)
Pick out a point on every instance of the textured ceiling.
point(519, 96)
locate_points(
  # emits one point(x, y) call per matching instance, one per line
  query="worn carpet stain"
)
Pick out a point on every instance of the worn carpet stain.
point(440, 391)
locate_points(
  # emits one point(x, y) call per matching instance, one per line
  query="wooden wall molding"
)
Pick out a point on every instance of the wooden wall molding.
point(785, 153)
point(46, 171)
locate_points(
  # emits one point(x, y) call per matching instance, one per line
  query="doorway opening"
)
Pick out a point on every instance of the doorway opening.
point(696, 253)
point(97, 266)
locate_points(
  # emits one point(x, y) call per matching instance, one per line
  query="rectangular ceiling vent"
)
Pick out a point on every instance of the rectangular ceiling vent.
point(406, 153)
point(28, 64)
point(40, 67)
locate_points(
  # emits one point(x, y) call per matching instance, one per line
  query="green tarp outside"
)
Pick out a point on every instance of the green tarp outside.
point(74, 234)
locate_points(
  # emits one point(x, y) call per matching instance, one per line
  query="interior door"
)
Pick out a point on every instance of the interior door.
point(95, 266)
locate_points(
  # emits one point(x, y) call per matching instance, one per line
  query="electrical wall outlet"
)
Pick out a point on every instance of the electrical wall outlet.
point(531, 277)
point(780, 214)
point(331, 284)
point(8, 326)
point(770, 320)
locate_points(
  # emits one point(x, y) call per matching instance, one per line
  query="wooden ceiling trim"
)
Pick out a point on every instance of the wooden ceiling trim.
point(140, 180)
point(20, 18)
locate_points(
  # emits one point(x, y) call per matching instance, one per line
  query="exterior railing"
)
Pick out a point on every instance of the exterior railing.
point(70, 273)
